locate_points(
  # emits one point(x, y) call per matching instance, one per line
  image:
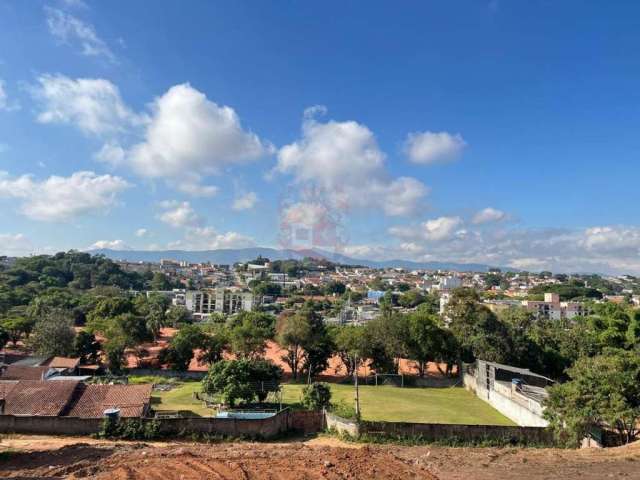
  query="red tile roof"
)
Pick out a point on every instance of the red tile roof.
point(131, 400)
point(29, 397)
point(63, 362)
point(19, 372)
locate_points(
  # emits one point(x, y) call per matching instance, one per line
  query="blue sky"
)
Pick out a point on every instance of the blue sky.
point(480, 131)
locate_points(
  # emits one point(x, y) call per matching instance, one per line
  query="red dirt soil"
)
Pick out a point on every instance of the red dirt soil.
point(325, 458)
point(273, 352)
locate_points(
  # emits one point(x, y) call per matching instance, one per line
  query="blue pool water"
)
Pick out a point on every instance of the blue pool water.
point(245, 415)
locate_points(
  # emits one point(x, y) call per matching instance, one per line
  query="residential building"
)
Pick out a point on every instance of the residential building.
point(553, 309)
point(228, 301)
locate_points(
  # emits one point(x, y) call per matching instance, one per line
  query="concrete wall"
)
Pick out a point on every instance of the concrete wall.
point(342, 425)
point(505, 405)
point(470, 433)
point(49, 425)
point(231, 427)
point(306, 422)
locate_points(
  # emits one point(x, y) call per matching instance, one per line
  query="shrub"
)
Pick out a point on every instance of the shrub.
point(129, 429)
point(316, 396)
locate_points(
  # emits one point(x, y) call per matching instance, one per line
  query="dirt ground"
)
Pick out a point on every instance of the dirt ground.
point(326, 458)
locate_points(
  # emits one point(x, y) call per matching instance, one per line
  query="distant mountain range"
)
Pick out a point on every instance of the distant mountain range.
point(232, 255)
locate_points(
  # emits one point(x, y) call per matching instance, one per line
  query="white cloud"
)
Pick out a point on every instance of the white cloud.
point(434, 230)
point(92, 105)
point(191, 135)
point(14, 244)
point(3, 97)
point(111, 153)
point(179, 215)
point(110, 245)
point(62, 198)
point(207, 238)
point(141, 232)
point(245, 201)
point(344, 160)
point(433, 147)
point(193, 187)
point(5, 104)
point(441, 228)
point(489, 215)
point(71, 30)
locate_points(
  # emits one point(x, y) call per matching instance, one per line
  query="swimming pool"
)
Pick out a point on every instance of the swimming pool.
point(245, 415)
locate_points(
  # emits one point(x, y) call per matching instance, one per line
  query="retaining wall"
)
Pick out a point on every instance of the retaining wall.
point(231, 427)
point(342, 425)
point(432, 432)
point(505, 405)
point(49, 425)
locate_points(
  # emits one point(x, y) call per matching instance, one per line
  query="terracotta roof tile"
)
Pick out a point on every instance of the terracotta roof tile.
point(29, 397)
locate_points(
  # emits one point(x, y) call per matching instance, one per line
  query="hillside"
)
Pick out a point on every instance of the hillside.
point(230, 256)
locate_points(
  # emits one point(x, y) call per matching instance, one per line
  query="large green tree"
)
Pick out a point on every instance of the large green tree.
point(603, 391)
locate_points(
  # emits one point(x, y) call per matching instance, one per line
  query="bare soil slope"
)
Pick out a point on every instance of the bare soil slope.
point(321, 458)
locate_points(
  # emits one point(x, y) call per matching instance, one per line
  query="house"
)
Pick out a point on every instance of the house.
point(73, 399)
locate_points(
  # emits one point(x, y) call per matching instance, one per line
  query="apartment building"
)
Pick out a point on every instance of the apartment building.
point(228, 301)
point(552, 308)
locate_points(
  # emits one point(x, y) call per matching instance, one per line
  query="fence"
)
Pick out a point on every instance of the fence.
point(229, 427)
point(434, 432)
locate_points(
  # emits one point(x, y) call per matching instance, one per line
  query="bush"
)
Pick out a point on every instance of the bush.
point(344, 410)
point(316, 396)
point(129, 429)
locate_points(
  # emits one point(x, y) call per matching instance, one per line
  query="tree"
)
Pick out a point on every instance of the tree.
point(479, 332)
point(424, 340)
point(86, 347)
point(177, 315)
point(160, 282)
point(335, 287)
point(4, 338)
point(156, 309)
point(249, 332)
point(411, 299)
point(53, 334)
point(603, 391)
point(240, 379)
point(181, 347)
point(386, 338)
point(294, 332)
point(17, 327)
point(316, 396)
point(350, 346)
point(115, 348)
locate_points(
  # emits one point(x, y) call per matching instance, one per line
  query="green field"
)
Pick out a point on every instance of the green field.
point(386, 403)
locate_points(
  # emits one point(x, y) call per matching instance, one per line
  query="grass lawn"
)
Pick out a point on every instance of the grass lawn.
point(181, 398)
point(385, 403)
point(420, 405)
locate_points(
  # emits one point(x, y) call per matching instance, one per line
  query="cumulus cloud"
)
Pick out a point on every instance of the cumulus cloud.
point(62, 198)
point(245, 201)
point(70, 30)
point(433, 147)
point(207, 238)
point(603, 249)
point(5, 103)
point(110, 245)
point(434, 230)
point(93, 105)
point(179, 214)
point(189, 134)
point(344, 160)
point(141, 232)
point(489, 215)
point(14, 244)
